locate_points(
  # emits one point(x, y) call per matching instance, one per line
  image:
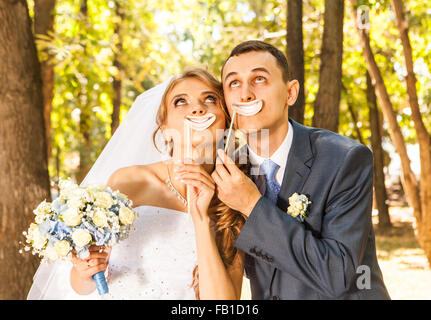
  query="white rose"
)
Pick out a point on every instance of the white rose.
point(90, 195)
point(81, 237)
point(42, 211)
point(34, 235)
point(100, 219)
point(50, 253)
point(68, 189)
point(66, 184)
point(298, 205)
point(127, 216)
point(76, 202)
point(104, 199)
point(40, 218)
point(72, 217)
point(293, 197)
point(114, 222)
point(43, 208)
point(294, 213)
point(62, 248)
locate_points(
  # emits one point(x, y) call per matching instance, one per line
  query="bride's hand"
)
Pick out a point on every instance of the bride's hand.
point(202, 188)
point(97, 261)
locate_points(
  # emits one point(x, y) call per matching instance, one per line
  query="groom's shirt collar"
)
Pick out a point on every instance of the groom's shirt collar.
point(279, 156)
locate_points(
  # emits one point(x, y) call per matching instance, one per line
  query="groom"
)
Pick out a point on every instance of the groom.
point(329, 254)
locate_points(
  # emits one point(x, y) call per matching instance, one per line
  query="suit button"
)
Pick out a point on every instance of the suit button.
point(275, 298)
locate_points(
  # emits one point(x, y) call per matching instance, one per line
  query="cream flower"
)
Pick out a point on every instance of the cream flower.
point(100, 219)
point(76, 202)
point(81, 237)
point(40, 218)
point(43, 208)
point(62, 248)
point(298, 205)
point(50, 253)
point(90, 195)
point(104, 199)
point(38, 240)
point(72, 217)
point(42, 212)
point(293, 212)
point(127, 216)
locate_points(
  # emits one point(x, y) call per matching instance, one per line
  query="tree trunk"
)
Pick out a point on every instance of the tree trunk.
point(408, 178)
point(44, 23)
point(117, 83)
point(295, 56)
point(327, 104)
point(421, 131)
point(376, 145)
point(23, 165)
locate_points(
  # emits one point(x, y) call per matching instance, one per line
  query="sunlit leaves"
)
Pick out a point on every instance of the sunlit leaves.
point(161, 38)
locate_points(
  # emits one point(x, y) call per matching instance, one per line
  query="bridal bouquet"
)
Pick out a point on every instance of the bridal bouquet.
point(78, 218)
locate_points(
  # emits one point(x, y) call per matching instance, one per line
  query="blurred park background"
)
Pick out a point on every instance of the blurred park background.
point(70, 70)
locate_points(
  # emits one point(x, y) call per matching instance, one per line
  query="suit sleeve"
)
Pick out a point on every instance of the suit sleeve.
point(328, 262)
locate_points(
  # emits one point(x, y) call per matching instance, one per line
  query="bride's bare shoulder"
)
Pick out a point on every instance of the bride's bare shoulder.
point(134, 179)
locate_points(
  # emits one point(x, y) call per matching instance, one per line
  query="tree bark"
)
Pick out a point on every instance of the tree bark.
point(376, 145)
point(44, 23)
point(295, 56)
point(327, 104)
point(23, 165)
point(408, 178)
point(421, 131)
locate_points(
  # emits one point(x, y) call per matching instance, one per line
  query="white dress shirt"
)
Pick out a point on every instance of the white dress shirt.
point(279, 156)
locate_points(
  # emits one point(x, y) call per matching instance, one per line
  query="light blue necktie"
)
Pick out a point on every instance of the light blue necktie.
point(269, 168)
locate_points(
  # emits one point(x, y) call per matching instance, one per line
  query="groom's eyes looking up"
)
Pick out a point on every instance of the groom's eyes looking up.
point(258, 75)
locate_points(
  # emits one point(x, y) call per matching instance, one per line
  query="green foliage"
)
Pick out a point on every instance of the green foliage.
point(156, 39)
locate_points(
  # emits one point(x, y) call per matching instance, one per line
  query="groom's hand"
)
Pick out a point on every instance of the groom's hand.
point(234, 188)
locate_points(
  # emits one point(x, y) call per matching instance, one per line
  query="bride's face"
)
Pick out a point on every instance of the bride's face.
point(198, 105)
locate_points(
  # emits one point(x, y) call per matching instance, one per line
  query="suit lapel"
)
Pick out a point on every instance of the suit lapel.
point(298, 166)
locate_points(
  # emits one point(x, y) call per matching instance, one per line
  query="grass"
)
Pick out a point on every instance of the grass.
point(405, 269)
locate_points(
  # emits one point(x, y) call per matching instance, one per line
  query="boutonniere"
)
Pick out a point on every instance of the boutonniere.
point(298, 206)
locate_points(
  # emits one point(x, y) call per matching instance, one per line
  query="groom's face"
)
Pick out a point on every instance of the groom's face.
point(255, 76)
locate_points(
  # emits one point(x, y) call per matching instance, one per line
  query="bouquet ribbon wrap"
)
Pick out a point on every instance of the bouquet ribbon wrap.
point(101, 285)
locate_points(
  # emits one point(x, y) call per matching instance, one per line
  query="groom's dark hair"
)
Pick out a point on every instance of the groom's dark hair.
point(257, 45)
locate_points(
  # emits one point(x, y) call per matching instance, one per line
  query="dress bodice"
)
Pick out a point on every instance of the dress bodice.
point(155, 262)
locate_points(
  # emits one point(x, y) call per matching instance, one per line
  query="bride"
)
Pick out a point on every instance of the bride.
point(169, 254)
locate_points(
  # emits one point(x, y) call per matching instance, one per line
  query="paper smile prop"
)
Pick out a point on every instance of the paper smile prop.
point(200, 123)
point(247, 108)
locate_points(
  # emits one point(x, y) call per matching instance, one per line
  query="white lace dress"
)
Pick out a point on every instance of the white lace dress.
point(155, 262)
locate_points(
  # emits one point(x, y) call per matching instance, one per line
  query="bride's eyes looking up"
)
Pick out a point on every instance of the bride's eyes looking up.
point(206, 99)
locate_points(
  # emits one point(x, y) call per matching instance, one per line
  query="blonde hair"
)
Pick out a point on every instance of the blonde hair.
point(227, 222)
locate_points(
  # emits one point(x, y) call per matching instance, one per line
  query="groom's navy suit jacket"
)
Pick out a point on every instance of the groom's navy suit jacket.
point(332, 254)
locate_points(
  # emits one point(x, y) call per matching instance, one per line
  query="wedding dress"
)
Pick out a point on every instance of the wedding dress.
point(156, 261)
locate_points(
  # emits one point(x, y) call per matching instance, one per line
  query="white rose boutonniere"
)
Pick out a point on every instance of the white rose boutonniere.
point(298, 206)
